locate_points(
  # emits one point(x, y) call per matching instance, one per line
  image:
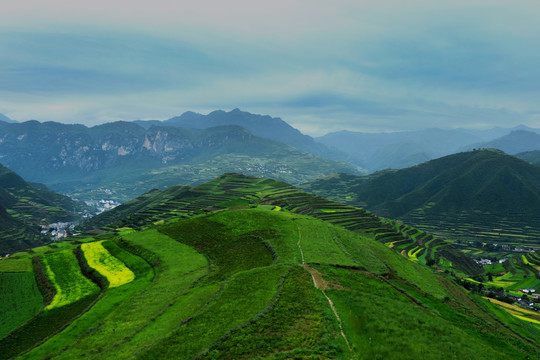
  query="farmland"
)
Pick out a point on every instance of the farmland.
point(64, 274)
point(483, 199)
point(21, 300)
point(229, 190)
point(100, 259)
point(228, 270)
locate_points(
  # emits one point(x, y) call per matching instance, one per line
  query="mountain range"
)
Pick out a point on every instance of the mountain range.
point(377, 151)
point(260, 125)
point(4, 118)
point(248, 267)
point(516, 142)
point(124, 159)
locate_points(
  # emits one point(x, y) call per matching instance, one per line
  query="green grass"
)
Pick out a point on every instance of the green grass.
point(127, 329)
point(43, 326)
point(296, 324)
point(107, 304)
point(381, 322)
point(414, 273)
point(229, 310)
point(363, 250)
point(320, 242)
point(275, 227)
point(16, 265)
point(232, 249)
point(64, 274)
point(20, 300)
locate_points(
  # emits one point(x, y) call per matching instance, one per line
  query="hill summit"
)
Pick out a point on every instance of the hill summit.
point(481, 186)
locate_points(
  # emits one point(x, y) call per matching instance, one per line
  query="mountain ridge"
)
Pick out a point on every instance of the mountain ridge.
point(127, 159)
point(25, 208)
point(517, 141)
point(483, 186)
point(406, 148)
point(265, 126)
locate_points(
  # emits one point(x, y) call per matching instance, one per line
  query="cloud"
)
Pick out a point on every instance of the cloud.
point(365, 65)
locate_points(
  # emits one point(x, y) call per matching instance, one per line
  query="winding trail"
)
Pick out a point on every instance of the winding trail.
point(322, 285)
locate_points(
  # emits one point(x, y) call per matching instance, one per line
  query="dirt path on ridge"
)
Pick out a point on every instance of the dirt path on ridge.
point(322, 285)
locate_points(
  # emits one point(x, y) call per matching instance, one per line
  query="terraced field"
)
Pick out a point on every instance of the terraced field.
point(238, 191)
point(519, 272)
point(65, 276)
point(110, 267)
point(481, 228)
point(520, 313)
point(260, 271)
point(21, 300)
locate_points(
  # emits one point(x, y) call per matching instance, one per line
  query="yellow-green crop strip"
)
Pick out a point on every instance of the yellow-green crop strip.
point(64, 274)
point(116, 272)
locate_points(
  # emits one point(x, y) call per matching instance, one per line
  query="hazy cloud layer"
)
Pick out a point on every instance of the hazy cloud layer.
point(370, 65)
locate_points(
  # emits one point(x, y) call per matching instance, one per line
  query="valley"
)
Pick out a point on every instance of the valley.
point(279, 180)
point(209, 241)
point(243, 267)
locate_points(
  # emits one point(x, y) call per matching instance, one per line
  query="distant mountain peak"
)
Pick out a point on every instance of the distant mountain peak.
point(4, 118)
point(517, 141)
point(273, 128)
point(190, 113)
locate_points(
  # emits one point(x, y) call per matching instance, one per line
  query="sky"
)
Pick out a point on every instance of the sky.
point(321, 66)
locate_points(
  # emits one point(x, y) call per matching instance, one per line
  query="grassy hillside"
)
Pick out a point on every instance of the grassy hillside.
point(241, 268)
point(531, 156)
point(238, 191)
point(253, 306)
point(24, 207)
point(483, 195)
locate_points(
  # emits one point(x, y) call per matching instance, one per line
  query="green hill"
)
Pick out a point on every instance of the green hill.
point(478, 195)
point(238, 191)
point(24, 207)
point(531, 156)
point(222, 271)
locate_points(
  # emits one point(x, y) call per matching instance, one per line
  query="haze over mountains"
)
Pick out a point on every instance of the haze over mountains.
point(132, 228)
point(6, 119)
point(128, 159)
point(516, 142)
point(478, 187)
point(259, 125)
point(236, 262)
point(125, 159)
point(376, 151)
